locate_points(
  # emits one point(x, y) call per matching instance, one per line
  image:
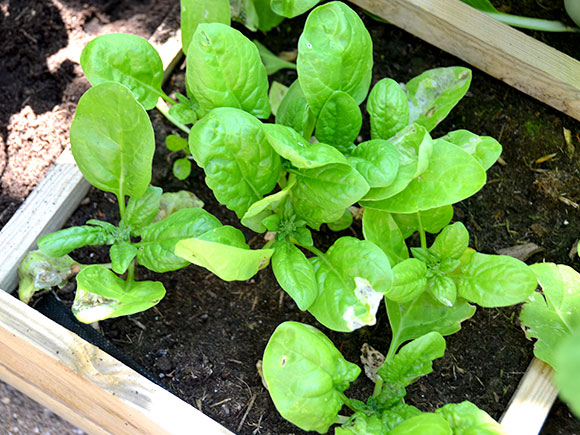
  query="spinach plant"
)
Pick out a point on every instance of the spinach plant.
point(307, 376)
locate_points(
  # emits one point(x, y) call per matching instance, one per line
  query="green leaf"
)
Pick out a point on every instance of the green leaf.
point(295, 274)
point(554, 315)
point(339, 121)
point(158, 240)
point(414, 145)
point(112, 140)
point(434, 93)
point(388, 109)
point(444, 289)
point(306, 376)
point(409, 280)
point(295, 112)
point(267, 18)
point(175, 143)
point(175, 201)
point(362, 425)
point(352, 278)
point(343, 223)
point(142, 211)
point(377, 161)
point(414, 360)
point(245, 12)
point(277, 93)
point(452, 242)
point(426, 423)
point(495, 280)
point(380, 228)
point(128, 60)
point(224, 69)
point(224, 252)
point(182, 168)
point(240, 165)
point(121, 256)
point(292, 8)
point(485, 149)
point(264, 208)
point(194, 12)
point(335, 53)
point(432, 220)
point(425, 314)
point(272, 62)
point(103, 295)
point(64, 241)
point(567, 364)
point(443, 183)
point(183, 112)
point(466, 418)
point(398, 414)
point(38, 271)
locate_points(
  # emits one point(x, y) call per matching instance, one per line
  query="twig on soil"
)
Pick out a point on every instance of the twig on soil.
point(250, 406)
point(567, 201)
point(221, 402)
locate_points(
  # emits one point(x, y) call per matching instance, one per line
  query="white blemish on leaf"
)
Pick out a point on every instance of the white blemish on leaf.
point(89, 308)
point(369, 299)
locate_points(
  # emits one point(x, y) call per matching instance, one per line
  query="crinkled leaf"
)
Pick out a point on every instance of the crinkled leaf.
point(295, 274)
point(157, 246)
point(272, 62)
point(444, 289)
point(194, 12)
point(175, 201)
point(388, 109)
point(141, 212)
point(484, 148)
point(64, 241)
point(292, 8)
point(409, 280)
point(567, 364)
point(339, 121)
point(224, 252)
point(377, 161)
point(398, 414)
point(434, 93)
point(240, 165)
point(352, 279)
point(451, 242)
point(175, 143)
point(432, 220)
point(126, 59)
point(466, 418)
point(554, 315)
point(112, 140)
point(103, 295)
point(277, 93)
point(495, 280)
point(182, 168)
point(306, 376)
point(426, 423)
point(224, 69)
point(121, 256)
point(294, 111)
point(335, 53)
point(380, 228)
point(343, 223)
point(362, 425)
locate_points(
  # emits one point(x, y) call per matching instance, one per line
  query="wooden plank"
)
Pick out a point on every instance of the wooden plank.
point(501, 51)
point(84, 384)
point(532, 400)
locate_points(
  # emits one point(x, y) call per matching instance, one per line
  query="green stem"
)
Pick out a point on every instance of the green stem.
point(532, 23)
point(378, 386)
point(105, 265)
point(121, 200)
point(347, 402)
point(162, 107)
point(131, 272)
point(421, 232)
point(342, 419)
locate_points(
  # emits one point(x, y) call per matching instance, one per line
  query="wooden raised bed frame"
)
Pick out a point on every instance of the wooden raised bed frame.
point(101, 395)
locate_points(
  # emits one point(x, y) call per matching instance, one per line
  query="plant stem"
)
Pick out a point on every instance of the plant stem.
point(121, 200)
point(341, 419)
point(347, 402)
point(532, 23)
point(131, 272)
point(378, 386)
point(162, 107)
point(421, 232)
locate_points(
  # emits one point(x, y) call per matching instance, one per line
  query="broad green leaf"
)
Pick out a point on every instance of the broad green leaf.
point(484, 148)
point(38, 271)
point(495, 280)
point(339, 121)
point(141, 212)
point(121, 256)
point(426, 423)
point(277, 93)
point(245, 12)
point(224, 252)
point(183, 112)
point(413, 360)
point(425, 314)
point(409, 280)
point(467, 419)
point(452, 176)
point(295, 274)
point(157, 246)
point(377, 161)
point(434, 93)
point(306, 376)
point(65, 241)
point(126, 59)
point(292, 8)
point(567, 364)
point(272, 62)
point(194, 12)
point(224, 69)
point(267, 18)
point(240, 165)
point(263, 208)
point(103, 295)
point(388, 109)
point(380, 228)
point(451, 242)
point(175, 143)
point(335, 53)
point(175, 201)
point(398, 414)
point(362, 425)
point(444, 289)
point(352, 278)
point(343, 223)
point(432, 220)
point(182, 168)
point(294, 111)
point(112, 140)
point(414, 145)
point(554, 315)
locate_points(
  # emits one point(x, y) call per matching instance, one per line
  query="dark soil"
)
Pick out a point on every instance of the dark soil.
point(204, 339)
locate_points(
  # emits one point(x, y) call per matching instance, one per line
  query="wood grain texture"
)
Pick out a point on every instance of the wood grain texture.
point(85, 385)
point(501, 51)
point(532, 400)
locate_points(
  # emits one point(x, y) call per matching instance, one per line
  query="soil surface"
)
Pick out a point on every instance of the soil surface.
point(205, 338)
